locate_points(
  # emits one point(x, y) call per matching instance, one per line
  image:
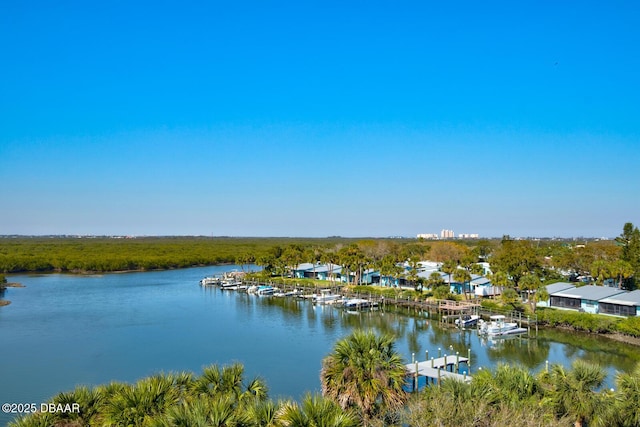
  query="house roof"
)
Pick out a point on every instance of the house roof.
point(590, 292)
point(558, 287)
point(305, 266)
point(318, 268)
point(480, 281)
point(324, 268)
point(626, 298)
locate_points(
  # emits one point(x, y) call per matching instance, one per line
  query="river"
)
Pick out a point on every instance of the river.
point(61, 331)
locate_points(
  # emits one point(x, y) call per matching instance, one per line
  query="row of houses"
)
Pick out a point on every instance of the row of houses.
point(479, 285)
point(593, 299)
point(562, 295)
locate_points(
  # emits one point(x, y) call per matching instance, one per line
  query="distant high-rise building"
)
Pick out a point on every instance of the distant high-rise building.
point(446, 234)
point(468, 236)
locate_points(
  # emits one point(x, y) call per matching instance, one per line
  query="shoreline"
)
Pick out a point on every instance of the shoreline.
point(98, 272)
point(14, 285)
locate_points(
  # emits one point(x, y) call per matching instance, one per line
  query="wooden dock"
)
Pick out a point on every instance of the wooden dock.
point(435, 370)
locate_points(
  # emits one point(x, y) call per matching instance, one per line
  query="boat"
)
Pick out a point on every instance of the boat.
point(356, 303)
point(467, 320)
point(265, 290)
point(326, 297)
point(286, 294)
point(497, 325)
point(230, 285)
point(209, 281)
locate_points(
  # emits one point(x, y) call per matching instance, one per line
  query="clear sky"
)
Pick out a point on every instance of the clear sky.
point(319, 118)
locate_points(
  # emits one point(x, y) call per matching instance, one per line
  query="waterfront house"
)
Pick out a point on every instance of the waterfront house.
point(305, 270)
point(309, 270)
point(552, 289)
point(483, 287)
point(583, 298)
point(624, 304)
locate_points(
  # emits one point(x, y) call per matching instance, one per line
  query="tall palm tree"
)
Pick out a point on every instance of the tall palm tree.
point(530, 283)
point(316, 411)
point(449, 266)
point(462, 276)
point(364, 372)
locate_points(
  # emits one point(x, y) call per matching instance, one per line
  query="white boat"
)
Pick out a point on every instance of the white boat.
point(355, 303)
point(265, 290)
point(230, 286)
point(467, 320)
point(497, 325)
point(326, 297)
point(209, 281)
point(286, 294)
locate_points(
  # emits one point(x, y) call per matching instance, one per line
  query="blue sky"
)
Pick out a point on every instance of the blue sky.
point(319, 118)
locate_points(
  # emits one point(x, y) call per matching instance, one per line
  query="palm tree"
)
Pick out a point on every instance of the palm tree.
point(449, 267)
point(574, 392)
point(626, 409)
point(531, 284)
point(316, 411)
point(263, 413)
point(464, 277)
point(138, 404)
point(88, 400)
point(621, 270)
point(219, 411)
point(228, 380)
point(500, 279)
point(434, 280)
point(365, 373)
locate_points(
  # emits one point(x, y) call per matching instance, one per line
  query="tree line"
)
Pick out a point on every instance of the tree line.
point(364, 383)
point(522, 265)
point(518, 266)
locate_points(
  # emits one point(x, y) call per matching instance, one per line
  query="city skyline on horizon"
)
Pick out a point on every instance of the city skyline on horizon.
point(315, 120)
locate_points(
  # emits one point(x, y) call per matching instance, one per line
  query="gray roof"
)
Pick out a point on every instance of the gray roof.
point(324, 268)
point(558, 287)
point(304, 266)
point(626, 298)
point(480, 281)
point(590, 292)
point(319, 268)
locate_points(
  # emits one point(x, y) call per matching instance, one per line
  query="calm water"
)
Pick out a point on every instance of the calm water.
point(61, 331)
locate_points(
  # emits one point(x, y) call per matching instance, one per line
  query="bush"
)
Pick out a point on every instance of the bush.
point(579, 321)
point(629, 326)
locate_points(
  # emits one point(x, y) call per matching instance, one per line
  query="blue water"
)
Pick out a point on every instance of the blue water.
point(63, 330)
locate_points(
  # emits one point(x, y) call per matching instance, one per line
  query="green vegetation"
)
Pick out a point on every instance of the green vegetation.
point(586, 322)
point(67, 254)
point(362, 386)
point(365, 374)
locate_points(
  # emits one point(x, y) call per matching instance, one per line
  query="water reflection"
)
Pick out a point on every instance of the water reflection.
point(132, 325)
point(518, 349)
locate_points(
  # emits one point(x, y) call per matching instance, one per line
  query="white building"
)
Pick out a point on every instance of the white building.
point(447, 234)
point(430, 236)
